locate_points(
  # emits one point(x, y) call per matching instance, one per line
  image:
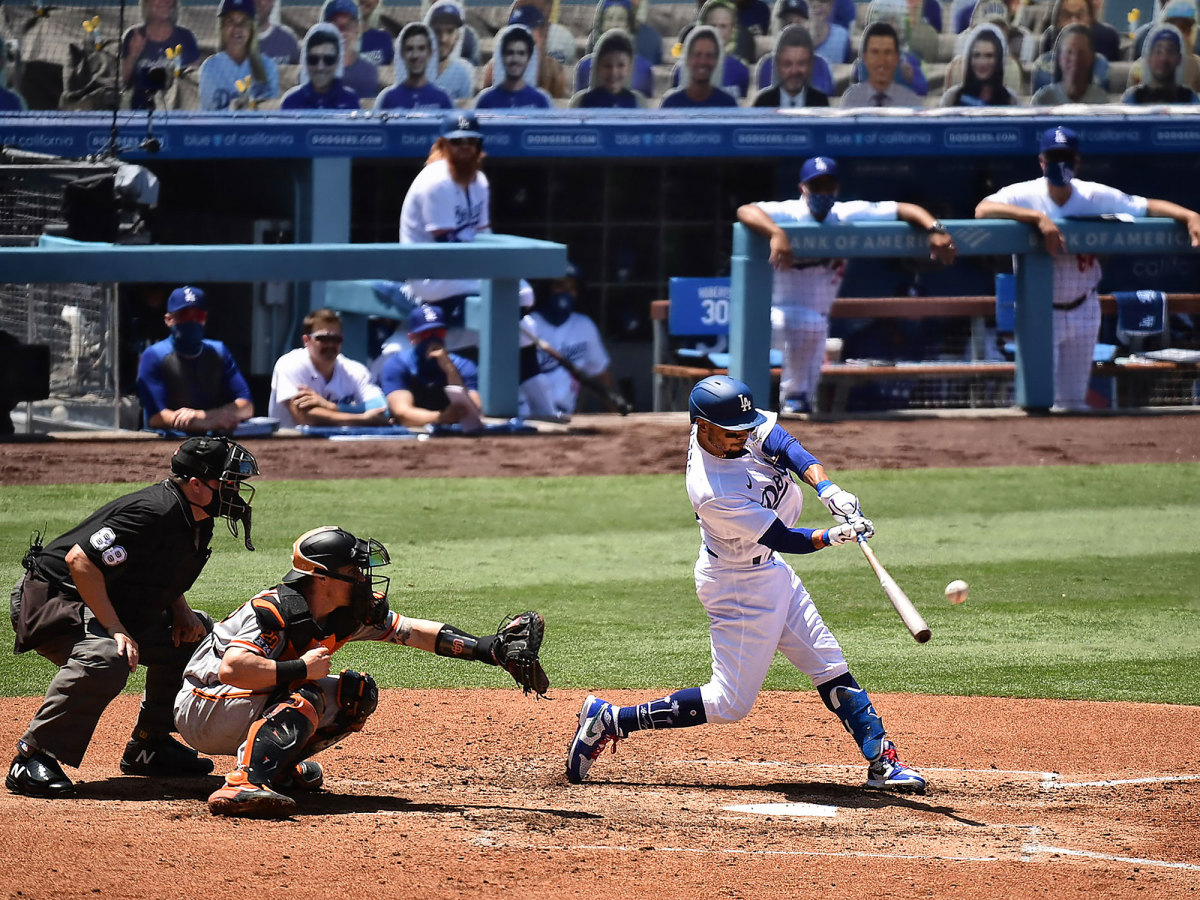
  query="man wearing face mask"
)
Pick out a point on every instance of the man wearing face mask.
point(188, 384)
point(804, 289)
point(573, 336)
point(107, 596)
point(427, 384)
point(1059, 195)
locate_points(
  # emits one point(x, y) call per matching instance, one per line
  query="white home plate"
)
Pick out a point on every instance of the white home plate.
point(785, 809)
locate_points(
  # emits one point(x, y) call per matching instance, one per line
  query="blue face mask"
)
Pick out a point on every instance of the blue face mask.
point(558, 310)
point(1060, 172)
point(188, 337)
point(820, 205)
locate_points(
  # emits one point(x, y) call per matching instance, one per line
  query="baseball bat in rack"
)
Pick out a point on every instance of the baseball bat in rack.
point(610, 396)
point(904, 607)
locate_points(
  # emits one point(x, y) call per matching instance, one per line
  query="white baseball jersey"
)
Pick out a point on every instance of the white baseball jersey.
point(350, 385)
point(1074, 274)
point(215, 717)
point(815, 284)
point(435, 203)
point(578, 339)
point(756, 603)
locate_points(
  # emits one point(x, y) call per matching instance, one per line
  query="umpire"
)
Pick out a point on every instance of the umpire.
point(109, 594)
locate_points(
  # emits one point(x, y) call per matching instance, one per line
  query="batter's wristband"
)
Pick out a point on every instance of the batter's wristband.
point(820, 538)
point(289, 670)
point(821, 485)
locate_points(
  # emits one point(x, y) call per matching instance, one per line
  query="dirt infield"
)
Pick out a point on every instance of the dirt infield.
point(455, 794)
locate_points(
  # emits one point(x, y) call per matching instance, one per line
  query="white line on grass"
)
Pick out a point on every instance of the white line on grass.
point(1092, 854)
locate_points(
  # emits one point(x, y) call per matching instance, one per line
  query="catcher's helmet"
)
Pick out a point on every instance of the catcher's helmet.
point(324, 550)
point(725, 402)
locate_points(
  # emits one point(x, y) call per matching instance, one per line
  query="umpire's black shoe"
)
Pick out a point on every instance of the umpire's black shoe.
point(38, 775)
point(163, 757)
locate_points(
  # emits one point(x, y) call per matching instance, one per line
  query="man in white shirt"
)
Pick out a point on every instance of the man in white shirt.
point(1059, 195)
point(316, 385)
point(804, 289)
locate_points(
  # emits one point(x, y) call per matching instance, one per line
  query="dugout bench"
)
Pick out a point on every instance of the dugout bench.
point(700, 309)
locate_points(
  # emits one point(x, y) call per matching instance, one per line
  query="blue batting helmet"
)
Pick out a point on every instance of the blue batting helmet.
point(725, 402)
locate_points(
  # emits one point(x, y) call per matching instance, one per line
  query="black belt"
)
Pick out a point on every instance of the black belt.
point(753, 562)
point(1074, 304)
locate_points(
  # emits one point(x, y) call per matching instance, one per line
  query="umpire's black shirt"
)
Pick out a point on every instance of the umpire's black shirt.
point(146, 545)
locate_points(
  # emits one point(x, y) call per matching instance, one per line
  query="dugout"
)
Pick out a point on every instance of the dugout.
point(637, 199)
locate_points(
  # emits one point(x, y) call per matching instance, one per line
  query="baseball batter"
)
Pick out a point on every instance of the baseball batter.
point(1059, 195)
point(804, 289)
point(738, 481)
point(260, 685)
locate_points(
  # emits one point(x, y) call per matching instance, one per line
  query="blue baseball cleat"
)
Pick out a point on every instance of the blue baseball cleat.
point(889, 774)
point(597, 729)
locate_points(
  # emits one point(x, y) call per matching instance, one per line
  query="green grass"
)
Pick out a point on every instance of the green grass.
point(1085, 581)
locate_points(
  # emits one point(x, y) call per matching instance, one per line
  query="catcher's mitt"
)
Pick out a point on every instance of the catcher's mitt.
point(518, 640)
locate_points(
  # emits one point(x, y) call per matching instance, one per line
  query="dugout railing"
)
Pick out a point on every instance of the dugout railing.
point(1134, 377)
point(750, 294)
point(499, 261)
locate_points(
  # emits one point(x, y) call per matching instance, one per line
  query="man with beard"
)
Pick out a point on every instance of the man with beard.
point(189, 384)
point(316, 385)
point(413, 90)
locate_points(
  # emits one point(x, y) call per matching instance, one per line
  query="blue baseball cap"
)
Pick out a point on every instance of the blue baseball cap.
point(186, 297)
point(232, 6)
point(790, 7)
point(461, 125)
point(333, 7)
point(425, 318)
point(1059, 138)
point(818, 167)
point(529, 16)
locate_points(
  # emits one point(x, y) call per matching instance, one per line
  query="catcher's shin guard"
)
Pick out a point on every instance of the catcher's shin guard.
point(850, 703)
point(357, 697)
point(280, 739)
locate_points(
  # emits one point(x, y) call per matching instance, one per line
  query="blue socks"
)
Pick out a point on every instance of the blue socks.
point(681, 709)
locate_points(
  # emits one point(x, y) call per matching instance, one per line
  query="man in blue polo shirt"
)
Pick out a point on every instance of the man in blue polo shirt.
point(427, 384)
point(187, 383)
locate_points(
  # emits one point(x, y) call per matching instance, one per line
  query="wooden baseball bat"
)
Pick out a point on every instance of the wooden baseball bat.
point(612, 397)
point(904, 607)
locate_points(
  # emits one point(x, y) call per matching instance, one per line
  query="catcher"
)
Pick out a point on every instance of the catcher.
point(259, 685)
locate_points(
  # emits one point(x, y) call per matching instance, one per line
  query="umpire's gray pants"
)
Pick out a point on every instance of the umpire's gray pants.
point(91, 673)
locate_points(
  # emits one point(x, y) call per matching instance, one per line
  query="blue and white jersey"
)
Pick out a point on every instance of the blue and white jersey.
point(219, 76)
point(401, 96)
point(435, 203)
point(737, 500)
point(305, 96)
point(528, 97)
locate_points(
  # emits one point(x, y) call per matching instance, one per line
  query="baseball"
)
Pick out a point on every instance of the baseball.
point(957, 590)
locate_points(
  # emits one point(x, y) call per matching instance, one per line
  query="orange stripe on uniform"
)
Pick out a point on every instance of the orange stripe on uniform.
point(262, 603)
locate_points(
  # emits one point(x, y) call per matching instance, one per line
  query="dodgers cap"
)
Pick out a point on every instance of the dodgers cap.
point(186, 297)
point(818, 167)
point(1060, 138)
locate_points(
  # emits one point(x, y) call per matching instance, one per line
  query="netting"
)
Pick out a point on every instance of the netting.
point(76, 321)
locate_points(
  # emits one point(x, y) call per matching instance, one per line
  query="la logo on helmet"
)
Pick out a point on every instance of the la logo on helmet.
point(746, 404)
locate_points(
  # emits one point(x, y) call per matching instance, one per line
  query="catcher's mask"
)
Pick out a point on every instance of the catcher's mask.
point(230, 464)
point(324, 550)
